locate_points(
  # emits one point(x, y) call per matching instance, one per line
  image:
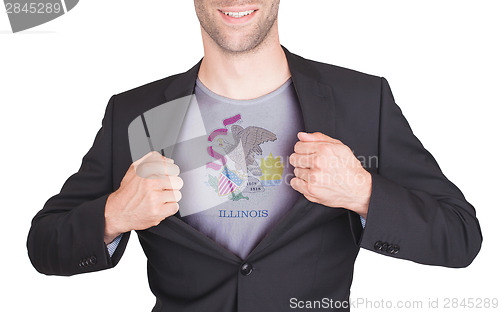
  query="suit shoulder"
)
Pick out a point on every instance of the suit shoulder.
point(340, 74)
point(129, 104)
point(151, 90)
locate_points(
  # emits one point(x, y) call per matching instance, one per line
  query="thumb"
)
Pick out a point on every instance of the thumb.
point(152, 156)
point(316, 136)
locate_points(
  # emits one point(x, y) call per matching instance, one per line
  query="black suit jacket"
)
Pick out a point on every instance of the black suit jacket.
point(415, 212)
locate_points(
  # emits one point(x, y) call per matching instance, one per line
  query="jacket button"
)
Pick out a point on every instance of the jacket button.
point(385, 245)
point(390, 249)
point(396, 249)
point(83, 263)
point(93, 260)
point(378, 245)
point(246, 269)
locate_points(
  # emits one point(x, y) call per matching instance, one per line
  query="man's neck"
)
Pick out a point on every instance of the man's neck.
point(244, 76)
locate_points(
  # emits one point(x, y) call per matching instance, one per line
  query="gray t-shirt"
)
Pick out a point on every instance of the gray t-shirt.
point(239, 196)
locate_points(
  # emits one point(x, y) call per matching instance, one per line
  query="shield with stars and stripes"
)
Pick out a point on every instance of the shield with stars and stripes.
point(228, 181)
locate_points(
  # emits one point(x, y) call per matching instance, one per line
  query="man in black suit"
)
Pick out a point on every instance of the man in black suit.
point(412, 211)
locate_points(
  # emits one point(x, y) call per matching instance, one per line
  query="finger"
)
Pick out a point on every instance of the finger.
point(133, 167)
point(152, 156)
point(316, 136)
point(313, 147)
point(157, 170)
point(172, 169)
point(301, 173)
point(298, 184)
point(171, 183)
point(302, 160)
point(307, 147)
point(301, 186)
point(146, 156)
point(170, 196)
point(171, 208)
point(157, 157)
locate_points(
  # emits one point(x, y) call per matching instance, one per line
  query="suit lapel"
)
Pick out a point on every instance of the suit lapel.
point(183, 84)
point(318, 110)
point(317, 105)
point(315, 98)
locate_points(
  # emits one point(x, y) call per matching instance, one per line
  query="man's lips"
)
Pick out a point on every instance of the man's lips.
point(237, 15)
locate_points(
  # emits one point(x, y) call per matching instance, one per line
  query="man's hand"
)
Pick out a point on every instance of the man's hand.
point(327, 172)
point(148, 193)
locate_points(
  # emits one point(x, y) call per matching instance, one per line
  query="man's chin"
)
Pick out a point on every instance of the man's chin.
point(239, 46)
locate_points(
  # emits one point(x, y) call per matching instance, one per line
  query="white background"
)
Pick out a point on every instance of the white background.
point(441, 59)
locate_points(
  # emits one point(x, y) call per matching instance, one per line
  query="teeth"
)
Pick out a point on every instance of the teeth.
point(239, 14)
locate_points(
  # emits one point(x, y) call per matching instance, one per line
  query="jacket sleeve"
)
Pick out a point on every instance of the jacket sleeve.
point(67, 236)
point(415, 212)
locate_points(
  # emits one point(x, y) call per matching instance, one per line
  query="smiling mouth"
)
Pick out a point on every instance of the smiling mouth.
point(238, 14)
